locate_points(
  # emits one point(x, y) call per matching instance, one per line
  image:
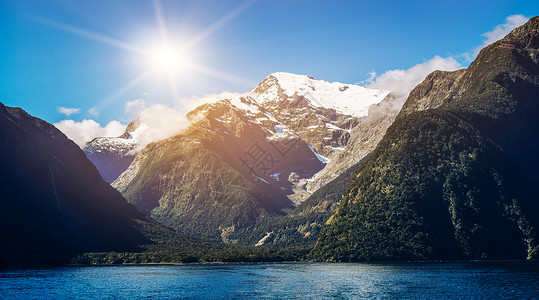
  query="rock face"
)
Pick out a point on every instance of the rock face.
point(439, 87)
point(113, 155)
point(363, 139)
point(257, 153)
point(458, 180)
point(53, 203)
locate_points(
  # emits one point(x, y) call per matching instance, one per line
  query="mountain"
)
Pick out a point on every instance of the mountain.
point(56, 209)
point(363, 140)
point(246, 161)
point(53, 203)
point(113, 155)
point(458, 180)
point(326, 115)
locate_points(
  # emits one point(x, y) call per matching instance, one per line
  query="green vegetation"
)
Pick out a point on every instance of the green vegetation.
point(432, 189)
point(455, 182)
point(167, 246)
point(185, 186)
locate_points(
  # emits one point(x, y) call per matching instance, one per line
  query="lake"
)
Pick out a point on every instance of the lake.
point(278, 280)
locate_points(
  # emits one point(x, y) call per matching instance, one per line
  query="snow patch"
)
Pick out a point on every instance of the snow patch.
point(329, 125)
point(281, 131)
point(136, 134)
point(320, 157)
point(275, 176)
point(242, 104)
point(348, 99)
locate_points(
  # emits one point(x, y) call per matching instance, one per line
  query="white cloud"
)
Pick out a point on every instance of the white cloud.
point(93, 111)
point(134, 105)
point(401, 82)
point(193, 102)
point(68, 111)
point(500, 31)
point(163, 122)
point(85, 131)
point(370, 79)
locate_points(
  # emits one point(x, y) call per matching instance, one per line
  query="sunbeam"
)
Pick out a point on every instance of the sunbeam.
point(221, 75)
point(167, 57)
point(160, 19)
point(220, 23)
point(92, 36)
point(124, 89)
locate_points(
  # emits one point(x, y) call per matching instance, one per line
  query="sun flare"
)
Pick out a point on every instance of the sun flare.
point(167, 58)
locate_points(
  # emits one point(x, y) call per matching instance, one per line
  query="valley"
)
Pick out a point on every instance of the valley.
point(295, 169)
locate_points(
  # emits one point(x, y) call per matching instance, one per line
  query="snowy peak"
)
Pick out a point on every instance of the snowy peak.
point(347, 99)
point(112, 155)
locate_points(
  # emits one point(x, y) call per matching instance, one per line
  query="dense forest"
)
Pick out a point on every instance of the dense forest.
point(458, 181)
point(455, 181)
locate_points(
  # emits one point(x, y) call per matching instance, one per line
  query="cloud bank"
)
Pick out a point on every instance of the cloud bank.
point(190, 103)
point(163, 122)
point(86, 130)
point(401, 82)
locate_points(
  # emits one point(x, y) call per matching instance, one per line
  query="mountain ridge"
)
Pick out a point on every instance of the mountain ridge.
point(457, 181)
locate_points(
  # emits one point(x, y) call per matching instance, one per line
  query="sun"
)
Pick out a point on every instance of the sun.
point(167, 58)
point(174, 58)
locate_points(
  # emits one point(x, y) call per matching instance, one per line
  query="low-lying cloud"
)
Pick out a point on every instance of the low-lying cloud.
point(190, 103)
point(162, 121)
point(401, 82)
point(86, 130)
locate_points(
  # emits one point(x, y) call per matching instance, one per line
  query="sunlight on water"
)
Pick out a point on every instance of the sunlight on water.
point(280, 280)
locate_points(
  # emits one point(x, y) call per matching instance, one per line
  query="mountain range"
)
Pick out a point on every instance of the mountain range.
point(244, 161)
point(448, 172)
point(56, 209)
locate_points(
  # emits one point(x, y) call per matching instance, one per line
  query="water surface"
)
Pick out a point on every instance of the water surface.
point(278, 280)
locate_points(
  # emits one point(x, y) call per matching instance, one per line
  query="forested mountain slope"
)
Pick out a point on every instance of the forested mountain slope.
point(457, 181)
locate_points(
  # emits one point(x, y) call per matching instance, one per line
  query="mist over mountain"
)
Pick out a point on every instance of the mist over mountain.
point(245, 160)
point(447, 171)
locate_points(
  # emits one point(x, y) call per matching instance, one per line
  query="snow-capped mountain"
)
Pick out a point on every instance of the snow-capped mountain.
point(288, 106)
point(346, 99)
point(112, 155)
point(284, 107)
point(251, 156)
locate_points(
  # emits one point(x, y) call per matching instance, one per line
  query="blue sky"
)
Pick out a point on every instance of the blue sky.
point(73, 54)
